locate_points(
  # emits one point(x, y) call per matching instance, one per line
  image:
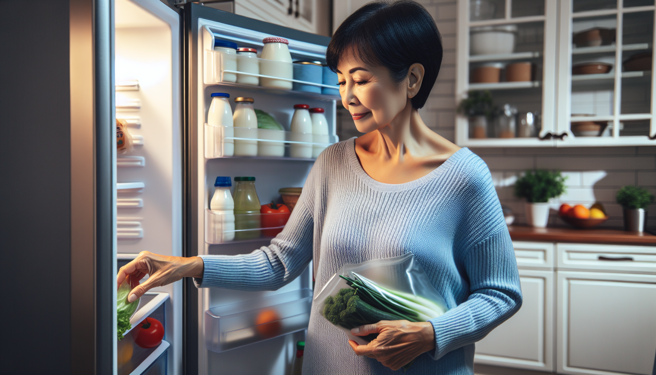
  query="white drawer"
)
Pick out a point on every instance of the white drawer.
point(595, 257)
point(534, 255)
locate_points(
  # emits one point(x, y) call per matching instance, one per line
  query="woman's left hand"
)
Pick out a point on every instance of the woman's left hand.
point(398, 341)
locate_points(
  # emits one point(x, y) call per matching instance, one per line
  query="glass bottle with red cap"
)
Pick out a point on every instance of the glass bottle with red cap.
point(247, 62)
point(301, 131)
point(276, 62)
point(319, 130)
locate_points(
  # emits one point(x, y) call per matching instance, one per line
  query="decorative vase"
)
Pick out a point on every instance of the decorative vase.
point(537, 214)
point(635, 219)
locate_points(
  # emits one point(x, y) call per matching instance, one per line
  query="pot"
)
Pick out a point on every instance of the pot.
point(477, 127)
point(488, 40)
point(518, 72)
point(537, 214)
point(488, 73)
point(635, 220)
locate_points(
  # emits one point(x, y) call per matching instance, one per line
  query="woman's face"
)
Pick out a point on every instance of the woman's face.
point(369, 93)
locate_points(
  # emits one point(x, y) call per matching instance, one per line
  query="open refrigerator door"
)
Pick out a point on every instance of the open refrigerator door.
point(149, 176)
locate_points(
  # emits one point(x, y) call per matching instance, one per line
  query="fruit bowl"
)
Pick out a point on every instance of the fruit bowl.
point(583, 223)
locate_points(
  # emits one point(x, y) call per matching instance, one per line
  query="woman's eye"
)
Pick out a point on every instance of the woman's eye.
point(341, 83)
point(360, 82)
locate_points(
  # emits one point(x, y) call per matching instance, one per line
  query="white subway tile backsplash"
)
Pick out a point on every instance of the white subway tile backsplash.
point(572, 178)
point(608, 178)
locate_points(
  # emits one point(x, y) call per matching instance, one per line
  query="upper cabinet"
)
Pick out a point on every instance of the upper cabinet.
point(560, 72)
point(302, 15)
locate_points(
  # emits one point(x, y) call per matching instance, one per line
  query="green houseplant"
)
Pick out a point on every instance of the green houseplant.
point(479, 108)
point(634, 200)
point(537, 187)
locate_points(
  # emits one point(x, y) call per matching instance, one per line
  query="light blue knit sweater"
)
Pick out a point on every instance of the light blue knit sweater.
point(450, 219)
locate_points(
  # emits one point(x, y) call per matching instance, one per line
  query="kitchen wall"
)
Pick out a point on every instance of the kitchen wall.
point(594, 174)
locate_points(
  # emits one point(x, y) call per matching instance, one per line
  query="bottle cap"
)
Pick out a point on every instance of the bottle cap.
point(301, 106)
point(244, 49)
point(244, 179)
point(223, 181)
point(224, 44)
point(272, 39)
point(243, 99)
point(220, 94)
point(316, 110)
point(300, 345)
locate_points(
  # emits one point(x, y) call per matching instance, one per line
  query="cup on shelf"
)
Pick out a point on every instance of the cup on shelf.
point(248, 62)
point(228, 59)
point(308, 71)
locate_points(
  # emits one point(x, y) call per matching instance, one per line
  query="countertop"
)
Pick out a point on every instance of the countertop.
point(573, 235)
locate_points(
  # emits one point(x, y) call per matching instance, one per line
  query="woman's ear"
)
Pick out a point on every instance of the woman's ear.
point(415, 78)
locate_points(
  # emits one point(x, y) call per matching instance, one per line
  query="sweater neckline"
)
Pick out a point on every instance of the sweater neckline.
point(354, 162)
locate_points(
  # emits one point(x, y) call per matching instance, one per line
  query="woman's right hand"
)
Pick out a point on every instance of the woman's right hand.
point(162, 270)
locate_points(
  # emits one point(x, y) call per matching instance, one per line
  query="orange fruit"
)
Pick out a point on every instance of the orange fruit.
point(564, 209)
point(268, 323)
point(580, 212)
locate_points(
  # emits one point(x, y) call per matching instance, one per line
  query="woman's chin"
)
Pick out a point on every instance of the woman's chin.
point(366, 126)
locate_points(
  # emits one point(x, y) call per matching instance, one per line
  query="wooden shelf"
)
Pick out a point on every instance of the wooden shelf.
point(505, 56)
point(573, 235)
point(504, 85)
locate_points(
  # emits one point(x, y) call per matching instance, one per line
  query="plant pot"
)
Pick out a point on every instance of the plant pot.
point(635, 220)
point(537, 214)
point(477, 127)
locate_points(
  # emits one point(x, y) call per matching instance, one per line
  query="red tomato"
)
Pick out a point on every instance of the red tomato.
point(273, 215)
point(149, 333)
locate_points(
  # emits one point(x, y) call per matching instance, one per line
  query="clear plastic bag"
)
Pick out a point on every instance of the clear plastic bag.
point(401, 275)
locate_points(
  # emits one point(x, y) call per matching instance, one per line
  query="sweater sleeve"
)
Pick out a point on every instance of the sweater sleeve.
point(486, 255)
point(269, 267)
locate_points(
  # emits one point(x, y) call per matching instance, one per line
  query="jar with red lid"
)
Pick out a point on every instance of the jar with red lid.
point(276, 62)
point(301, 131)
point(319, 131)
point(247, 62)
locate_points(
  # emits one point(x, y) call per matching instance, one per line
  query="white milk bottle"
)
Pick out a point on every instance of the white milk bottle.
point(276, 62)
point(245, 122)
point(219, 127)
point(223, 212)
point(228, 53)
point(301, 131)
point(319, 130)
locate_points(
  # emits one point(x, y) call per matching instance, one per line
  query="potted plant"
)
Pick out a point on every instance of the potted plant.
point(634, 200)
point(478, 107)
point(538, 187)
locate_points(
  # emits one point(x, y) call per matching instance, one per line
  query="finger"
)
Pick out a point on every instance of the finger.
point(366, 350)
point(366, 329)
point(141, 289)
point(353, 345)
point(139, 265)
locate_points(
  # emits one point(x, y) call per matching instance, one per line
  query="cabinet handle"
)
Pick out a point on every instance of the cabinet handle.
point(296, 13)
point(620, 259)
point(290, 10)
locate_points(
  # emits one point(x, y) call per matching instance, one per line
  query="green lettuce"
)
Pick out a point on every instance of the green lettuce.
point(266, 121)
point(124, 309)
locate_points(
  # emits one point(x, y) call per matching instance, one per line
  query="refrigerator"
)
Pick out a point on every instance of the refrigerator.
point(165, 68)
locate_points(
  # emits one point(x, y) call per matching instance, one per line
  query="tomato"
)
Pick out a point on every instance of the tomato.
point(149, 333)
point(273, 215)
point(267, 323)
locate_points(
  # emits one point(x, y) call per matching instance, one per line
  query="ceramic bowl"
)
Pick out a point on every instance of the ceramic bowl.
point(592, 68)
point(582, 223)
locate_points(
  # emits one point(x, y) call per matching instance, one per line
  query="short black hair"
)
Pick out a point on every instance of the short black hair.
point(394, 35)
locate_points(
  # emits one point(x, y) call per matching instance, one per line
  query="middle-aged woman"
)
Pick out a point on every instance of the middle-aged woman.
point(399, 188)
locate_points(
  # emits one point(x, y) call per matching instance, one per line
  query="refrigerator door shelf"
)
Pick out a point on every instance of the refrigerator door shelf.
point(216, 74)
point(270, 143)
point(221, 229)
point(238, 324)
point(155, 364)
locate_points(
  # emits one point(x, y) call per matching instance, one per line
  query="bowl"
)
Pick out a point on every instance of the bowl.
point(588, 128)
point(597, 36)
point(591, 68)
point(638, 62)
point(490, 40)
point(290, 196)
point(582, 223)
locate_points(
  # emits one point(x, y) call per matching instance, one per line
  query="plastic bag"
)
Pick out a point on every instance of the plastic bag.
point(401, 275)
point(123, 138)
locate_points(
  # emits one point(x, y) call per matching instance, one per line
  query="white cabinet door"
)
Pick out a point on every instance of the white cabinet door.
point(344, 8)
point(525, 340)
point(278, 12)
point(606, 323)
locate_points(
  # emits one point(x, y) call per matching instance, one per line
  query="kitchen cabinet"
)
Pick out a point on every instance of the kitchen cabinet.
point(618, 103)
point(302, 15)
point(344, 8)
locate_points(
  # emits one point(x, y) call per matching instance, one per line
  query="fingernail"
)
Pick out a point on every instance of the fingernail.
point(355, 330)
point(132, 298)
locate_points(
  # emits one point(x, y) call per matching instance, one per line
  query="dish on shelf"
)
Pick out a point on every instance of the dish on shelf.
point(638, 62)
point(487, 73)
point(597, 36)
point(587, 128)
point(492, 40)
point(519, 72)
point(591, 68)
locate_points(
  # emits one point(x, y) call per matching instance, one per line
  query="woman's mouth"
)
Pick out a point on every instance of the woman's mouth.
point(359, 116)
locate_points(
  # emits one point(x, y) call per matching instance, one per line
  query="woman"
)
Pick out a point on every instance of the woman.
point(398, 188)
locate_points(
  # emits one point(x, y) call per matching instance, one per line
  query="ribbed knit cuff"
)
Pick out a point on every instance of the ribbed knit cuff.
point(233, 272)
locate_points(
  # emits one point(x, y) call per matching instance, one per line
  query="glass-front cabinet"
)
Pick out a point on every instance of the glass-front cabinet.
point(555, 73)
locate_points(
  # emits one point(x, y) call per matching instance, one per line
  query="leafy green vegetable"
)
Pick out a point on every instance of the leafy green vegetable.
point(634, 197)
point(266, 121)
point(540, 185)
point(124, 309)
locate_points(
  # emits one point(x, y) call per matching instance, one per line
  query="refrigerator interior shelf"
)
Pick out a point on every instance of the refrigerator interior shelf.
point(130, 187)
point(247, 322)
point(146, 367)
point(132, 121)
point(264, 142)
point(128, 104)
point(129, 203)
point(128, 229)
point(130, 161)
point(127, 85)
point(146, 310)
point(245, 226)
point(137, 140)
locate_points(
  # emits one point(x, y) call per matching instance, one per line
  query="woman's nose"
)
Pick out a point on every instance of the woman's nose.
point(348, 98)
